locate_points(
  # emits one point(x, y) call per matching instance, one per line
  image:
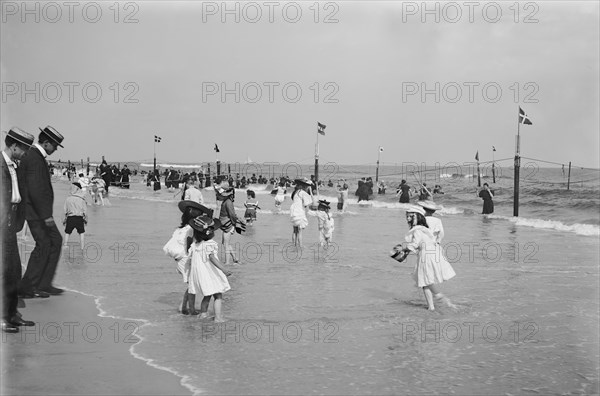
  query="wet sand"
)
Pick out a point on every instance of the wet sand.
point(73, 351)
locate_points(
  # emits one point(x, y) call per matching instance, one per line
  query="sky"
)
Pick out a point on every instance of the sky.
point(431, 83)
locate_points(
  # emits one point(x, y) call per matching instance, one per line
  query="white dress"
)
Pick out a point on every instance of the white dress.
point(205, 278)
point(432, 267)
point(297, 211)
point(175, 248)
point(326, 225)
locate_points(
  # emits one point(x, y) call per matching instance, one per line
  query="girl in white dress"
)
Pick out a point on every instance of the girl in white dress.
point(431, 268)
point(177, 248)
point(207, 275)
point(326, 223)
point(300, 200)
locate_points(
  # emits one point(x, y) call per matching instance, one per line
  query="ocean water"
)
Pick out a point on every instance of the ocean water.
point(349, 320)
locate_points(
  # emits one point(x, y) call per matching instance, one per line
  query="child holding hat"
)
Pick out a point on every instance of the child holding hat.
point(432, 268)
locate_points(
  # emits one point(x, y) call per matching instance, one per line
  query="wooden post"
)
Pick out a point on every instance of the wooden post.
point(569, 178)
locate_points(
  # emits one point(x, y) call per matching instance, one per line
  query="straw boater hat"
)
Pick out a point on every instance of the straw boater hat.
point(429, 205)
point(20, 136)
point(415, 209)
point(53, 134)
point(183, 205)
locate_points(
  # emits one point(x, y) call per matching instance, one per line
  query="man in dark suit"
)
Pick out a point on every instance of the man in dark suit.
point(39, 200)
point(12, 219)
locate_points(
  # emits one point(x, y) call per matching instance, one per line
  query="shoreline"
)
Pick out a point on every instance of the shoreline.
point(100, 349)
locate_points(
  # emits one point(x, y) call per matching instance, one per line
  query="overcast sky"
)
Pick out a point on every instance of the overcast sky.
point(360, 68)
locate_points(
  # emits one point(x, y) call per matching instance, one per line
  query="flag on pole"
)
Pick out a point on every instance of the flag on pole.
point(380, 149)
point(321, 128)
point(493, 148)
point(157, 139)
point(477, 156)
point(523, 118)
point(217, 148)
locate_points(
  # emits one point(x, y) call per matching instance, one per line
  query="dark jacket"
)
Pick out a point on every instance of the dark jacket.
point(39, 197)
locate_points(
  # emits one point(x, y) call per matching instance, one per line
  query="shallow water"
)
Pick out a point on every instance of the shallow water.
point(350, 320)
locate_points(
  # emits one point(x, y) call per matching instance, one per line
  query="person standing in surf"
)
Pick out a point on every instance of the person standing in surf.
point(431, 268)
point(300, 200)
point(486, 194)
point(230, 222)
point(404, 192)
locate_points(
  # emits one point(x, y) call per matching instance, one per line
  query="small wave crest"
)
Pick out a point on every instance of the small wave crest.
point(581, 229)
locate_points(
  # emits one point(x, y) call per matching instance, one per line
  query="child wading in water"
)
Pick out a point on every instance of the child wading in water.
point(207, 275)
point(75, 213)
point(251, 205)
point(326, 224)
point(432, 268)
point(178, 246)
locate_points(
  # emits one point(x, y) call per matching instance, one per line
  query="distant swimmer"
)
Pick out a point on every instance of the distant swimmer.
point(486, 194)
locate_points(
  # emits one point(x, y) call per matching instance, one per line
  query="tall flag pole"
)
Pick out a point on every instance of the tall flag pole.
point(320, 131)
point(218, 163)
point(157, 139)
point(523, 119)
point(377, 169)
point(494, 164)
point(478, 172)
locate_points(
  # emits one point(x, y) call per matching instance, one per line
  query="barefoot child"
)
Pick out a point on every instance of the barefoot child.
point(178, 246)
point(251, 205)
point(326, 224)
point(75, 213)
point(432, 268)
point(207, 274)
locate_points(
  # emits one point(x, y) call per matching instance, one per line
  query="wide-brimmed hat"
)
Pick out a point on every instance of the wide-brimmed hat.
point(20, 136)
point(324, 204)
point(183, 205)
point(415, 209)
point(429, 205)
point(202, 223)
point(53, 134)
point(303, 180)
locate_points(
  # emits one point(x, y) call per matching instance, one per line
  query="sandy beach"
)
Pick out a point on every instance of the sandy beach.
point(73, 351)
point(344, 321)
